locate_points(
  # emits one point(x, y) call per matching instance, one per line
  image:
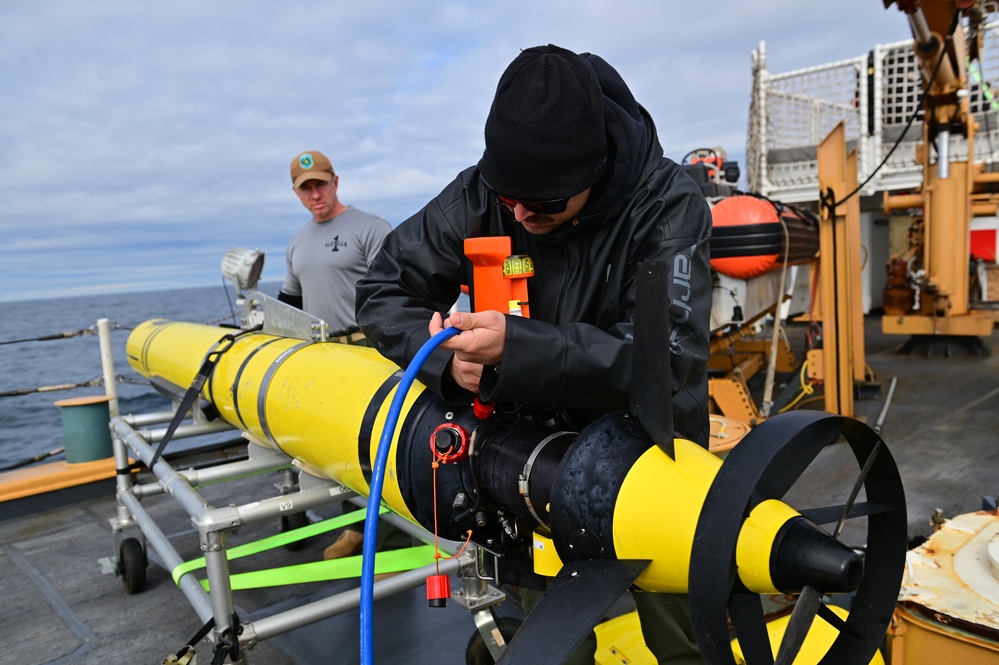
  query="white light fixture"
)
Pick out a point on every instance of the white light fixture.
point(243, 267)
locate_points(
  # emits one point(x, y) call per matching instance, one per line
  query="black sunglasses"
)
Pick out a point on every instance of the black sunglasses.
point(552, 207)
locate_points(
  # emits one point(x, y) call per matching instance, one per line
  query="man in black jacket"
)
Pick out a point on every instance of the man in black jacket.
point(573, 172)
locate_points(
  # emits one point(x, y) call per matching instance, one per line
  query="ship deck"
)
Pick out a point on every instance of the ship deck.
point(63, 603)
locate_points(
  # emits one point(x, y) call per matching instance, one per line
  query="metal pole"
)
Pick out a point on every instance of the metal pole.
point(196, 596)
point(267, 627)
point(943, 154)
point(220, 590)
point(222, 472)
point(185, 431)
point(146, 419)
point(107, 364)
point(884, 409)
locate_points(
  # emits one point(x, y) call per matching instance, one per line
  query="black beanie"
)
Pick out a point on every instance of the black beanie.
point(545, 135)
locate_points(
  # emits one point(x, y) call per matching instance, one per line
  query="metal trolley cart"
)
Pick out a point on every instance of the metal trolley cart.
point(136, 531)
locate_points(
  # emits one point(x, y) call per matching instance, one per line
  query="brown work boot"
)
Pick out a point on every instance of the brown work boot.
point(348, 544)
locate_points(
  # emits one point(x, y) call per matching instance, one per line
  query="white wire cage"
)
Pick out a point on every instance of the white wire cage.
point(874, 95)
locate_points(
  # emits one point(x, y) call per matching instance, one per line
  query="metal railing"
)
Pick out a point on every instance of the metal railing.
point(873, 95)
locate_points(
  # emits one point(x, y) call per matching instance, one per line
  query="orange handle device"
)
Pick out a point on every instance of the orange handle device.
point(499, 279)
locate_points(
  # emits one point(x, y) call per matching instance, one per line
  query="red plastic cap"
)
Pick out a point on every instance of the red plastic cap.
point(482, 411)
point(438, 590)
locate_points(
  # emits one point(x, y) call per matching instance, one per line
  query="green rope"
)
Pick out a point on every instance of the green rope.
point(277, 540)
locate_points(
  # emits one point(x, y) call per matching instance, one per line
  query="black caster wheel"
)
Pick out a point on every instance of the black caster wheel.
point(292, 522)
point(477, 653)
point(764, 466)
point(132, 565)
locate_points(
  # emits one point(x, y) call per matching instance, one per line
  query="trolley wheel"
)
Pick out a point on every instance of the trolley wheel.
point(477, 653)
point(132, 565)
point(292, 522)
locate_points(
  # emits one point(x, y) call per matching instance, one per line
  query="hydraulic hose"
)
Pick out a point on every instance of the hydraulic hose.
point(375, 495)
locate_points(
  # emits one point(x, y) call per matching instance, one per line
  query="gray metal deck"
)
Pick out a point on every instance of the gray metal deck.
point(65, 605)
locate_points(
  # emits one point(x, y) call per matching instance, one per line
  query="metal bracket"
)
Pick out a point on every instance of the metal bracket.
point(278, 318)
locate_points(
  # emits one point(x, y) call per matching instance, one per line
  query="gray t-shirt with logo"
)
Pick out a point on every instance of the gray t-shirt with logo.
point(325, 260)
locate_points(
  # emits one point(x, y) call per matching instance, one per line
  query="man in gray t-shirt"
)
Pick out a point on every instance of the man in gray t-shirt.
point(328, 255)
point(325, 258)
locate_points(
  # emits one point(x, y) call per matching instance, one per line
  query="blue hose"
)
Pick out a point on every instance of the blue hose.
point(375, 495)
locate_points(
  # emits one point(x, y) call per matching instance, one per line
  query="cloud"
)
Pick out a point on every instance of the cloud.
point(139, 142)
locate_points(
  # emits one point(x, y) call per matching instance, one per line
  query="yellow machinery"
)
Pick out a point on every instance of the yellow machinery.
point(927, 294)
point(601, 510)
point(840, 364)
point(742, 249)
point(737, 356)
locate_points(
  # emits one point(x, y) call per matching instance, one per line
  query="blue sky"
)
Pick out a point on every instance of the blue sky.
point(139, 142)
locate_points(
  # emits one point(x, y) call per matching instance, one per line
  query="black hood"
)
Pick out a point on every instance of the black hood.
point(630, 137)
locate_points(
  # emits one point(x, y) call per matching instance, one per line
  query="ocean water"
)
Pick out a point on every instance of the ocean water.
point(30, 424)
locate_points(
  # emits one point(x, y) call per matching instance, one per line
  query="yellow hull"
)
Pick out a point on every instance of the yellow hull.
point(311, 401)
point(326, 404)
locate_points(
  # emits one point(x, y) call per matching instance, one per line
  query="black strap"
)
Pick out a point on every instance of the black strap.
point(198, 636)
point(211, 358)
point(226, 645)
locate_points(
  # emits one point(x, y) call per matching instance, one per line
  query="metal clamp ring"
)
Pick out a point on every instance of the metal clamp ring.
point(525, 476)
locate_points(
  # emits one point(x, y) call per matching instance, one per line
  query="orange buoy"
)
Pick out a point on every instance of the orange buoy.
point(751, 236)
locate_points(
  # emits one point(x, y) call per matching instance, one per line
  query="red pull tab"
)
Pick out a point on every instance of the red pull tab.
point(438, 590)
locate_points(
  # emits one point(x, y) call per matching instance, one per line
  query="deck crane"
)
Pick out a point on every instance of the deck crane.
point(927, 295)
